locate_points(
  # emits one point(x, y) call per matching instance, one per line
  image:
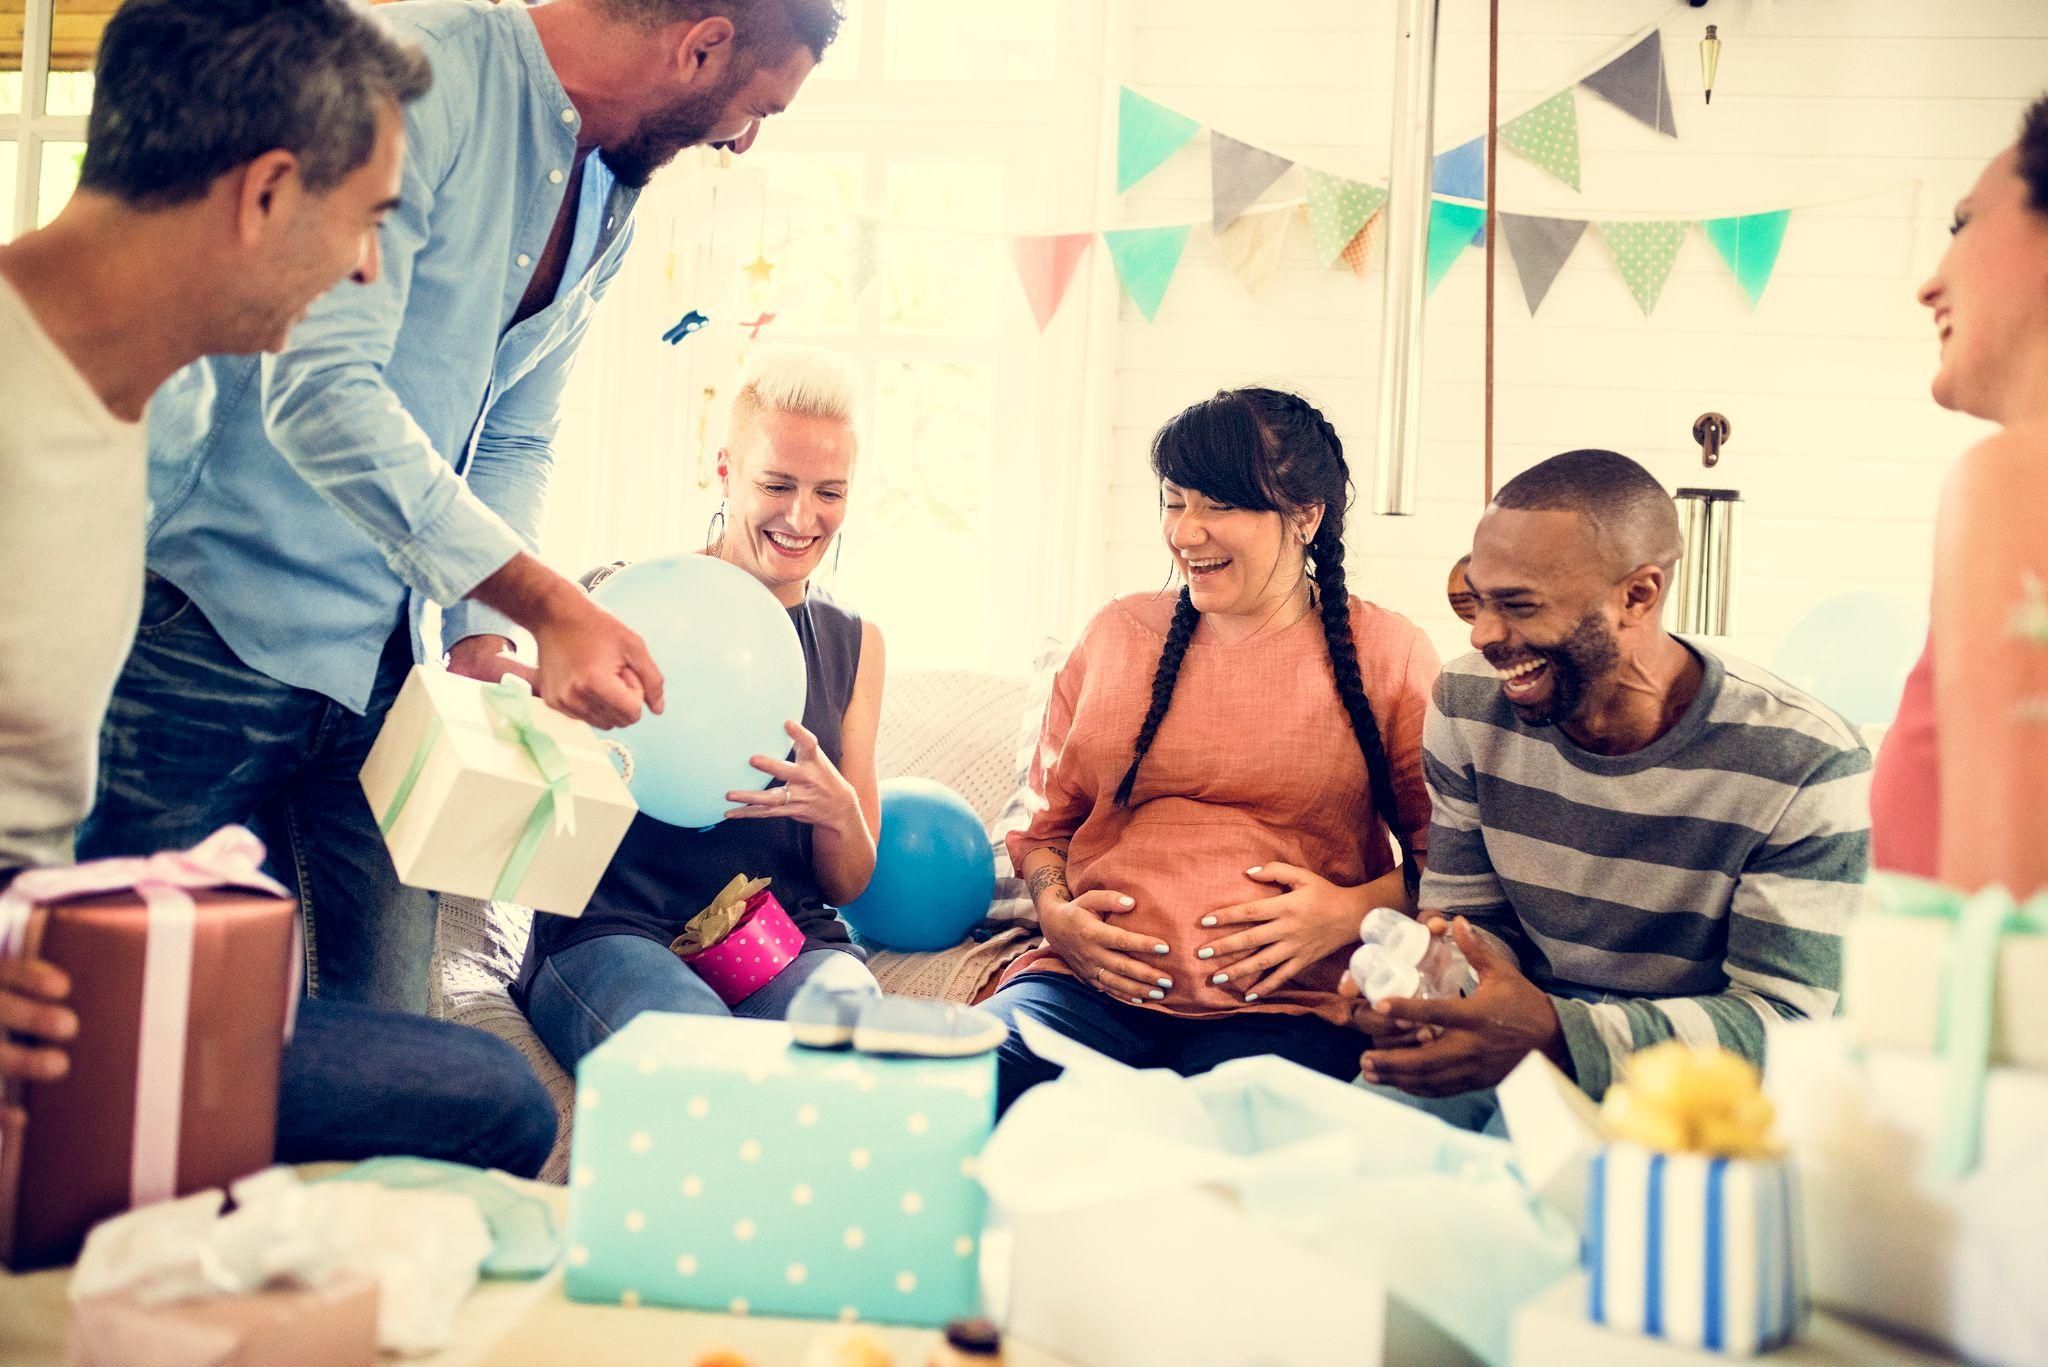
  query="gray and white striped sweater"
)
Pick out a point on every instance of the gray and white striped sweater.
point(1697, 888)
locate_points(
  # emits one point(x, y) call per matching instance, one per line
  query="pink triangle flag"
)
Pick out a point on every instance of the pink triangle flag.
point(1045, 267)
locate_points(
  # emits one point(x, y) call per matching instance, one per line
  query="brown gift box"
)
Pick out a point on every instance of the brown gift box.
point(68, 1148)
point(329, 1326)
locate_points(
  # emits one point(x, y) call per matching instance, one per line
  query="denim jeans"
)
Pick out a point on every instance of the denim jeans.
point(1145, 1038)
point(195, 739)
point(583, 995)
point(362, 1083)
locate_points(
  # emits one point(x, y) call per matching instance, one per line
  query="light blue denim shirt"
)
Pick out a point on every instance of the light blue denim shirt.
point(398, 450)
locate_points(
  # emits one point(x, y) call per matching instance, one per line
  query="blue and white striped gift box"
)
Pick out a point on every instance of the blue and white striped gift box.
point(1697, 1250)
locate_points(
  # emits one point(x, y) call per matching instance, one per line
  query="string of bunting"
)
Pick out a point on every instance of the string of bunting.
point(1344, 215)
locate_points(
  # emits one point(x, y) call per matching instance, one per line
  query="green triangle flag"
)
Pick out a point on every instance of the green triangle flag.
point(1146, 259)
point(1337, 210)
point(1451, 227)
point(1548, 136)
point(1147, 133)
point(1749, 244)
point(1645, 251)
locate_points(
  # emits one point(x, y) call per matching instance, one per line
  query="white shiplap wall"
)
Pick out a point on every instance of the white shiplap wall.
point(1889, 106)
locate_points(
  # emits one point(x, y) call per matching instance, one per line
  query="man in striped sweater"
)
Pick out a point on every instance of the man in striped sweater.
point(1633, 838)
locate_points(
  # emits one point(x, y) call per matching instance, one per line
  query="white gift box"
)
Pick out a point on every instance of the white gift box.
point(458, 794)
point(1259, 1213)
point(1957, 1260)
point(1892, 974)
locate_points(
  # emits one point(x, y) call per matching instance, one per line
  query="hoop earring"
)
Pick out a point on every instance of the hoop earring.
point(714, 531)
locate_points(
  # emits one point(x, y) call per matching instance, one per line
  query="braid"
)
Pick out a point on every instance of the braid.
point(1333, 601)
point(1163, 679)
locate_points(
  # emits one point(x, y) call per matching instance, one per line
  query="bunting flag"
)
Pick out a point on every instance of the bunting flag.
point(1749, 244)
point(1358, 251)
point(1548, 137)
point(1146, 259)
point(1461, 172)
point(1254, 246)
point(1540, 247)
point(1645, 251)
point(1635, 83)
point(1451, 227)
point(866, 256)
point(1337, 209)
point(1147, 133)
point(1238, 174)
point(1045, 267)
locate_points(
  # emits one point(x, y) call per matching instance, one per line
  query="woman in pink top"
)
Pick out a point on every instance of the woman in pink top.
point(1219, 771)
point(1961, 788)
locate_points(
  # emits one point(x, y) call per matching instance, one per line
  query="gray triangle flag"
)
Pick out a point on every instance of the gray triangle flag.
point(1635, 83)
point(1540, 247)
point(1238, 174)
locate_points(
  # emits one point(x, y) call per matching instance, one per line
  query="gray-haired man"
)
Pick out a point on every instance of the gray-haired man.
point(241, 155)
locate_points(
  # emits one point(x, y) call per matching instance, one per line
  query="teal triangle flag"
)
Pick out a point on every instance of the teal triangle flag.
point(1749, 244)
point(1451, 228)
point(1147, 133)
point(1146, 259)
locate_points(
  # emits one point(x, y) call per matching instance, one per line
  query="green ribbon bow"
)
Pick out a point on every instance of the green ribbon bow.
point(510, 703)
point(1968, 987)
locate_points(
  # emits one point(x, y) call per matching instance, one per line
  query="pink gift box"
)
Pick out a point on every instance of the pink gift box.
point(764, 943)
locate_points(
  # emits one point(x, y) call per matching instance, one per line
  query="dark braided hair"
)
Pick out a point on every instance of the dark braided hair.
point(2033, 158)
point(1267, 450)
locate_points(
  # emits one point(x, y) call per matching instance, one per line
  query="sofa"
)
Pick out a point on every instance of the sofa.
point(970, 731)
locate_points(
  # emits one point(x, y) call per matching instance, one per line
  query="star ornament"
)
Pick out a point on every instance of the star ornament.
point(760, 270)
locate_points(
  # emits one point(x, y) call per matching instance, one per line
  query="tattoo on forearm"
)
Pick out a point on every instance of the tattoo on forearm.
point(1053, 876)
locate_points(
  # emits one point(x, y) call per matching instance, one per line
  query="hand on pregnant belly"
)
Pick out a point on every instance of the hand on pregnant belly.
point(1256, 948)
point(1114, 960)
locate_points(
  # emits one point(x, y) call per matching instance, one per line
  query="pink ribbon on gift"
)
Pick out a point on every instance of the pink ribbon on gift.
point(231, 857)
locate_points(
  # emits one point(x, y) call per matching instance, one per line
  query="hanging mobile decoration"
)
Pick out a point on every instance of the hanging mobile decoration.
point(688, 325)
point(1710, 59)
point(754, 328)
point(761, 270)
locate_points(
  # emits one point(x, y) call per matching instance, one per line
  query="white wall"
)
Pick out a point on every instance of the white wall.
point(1837, 449)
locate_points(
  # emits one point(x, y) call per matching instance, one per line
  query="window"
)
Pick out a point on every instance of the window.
point(932, 129)
point(46, 57)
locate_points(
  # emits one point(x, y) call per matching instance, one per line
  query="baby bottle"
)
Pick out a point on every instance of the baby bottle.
point(1400, 958)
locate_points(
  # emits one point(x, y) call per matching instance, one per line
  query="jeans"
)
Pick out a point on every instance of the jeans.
point(363, 1083)
point(1145, 1038)
point(195, 739)
point(583, 995)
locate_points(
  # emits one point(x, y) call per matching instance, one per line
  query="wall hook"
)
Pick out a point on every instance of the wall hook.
point(1711, 431)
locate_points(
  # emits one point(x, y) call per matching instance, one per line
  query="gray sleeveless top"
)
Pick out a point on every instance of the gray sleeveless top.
point(663, 874)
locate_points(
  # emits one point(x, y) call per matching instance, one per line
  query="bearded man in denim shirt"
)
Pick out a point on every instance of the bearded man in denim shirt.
point(306, 506)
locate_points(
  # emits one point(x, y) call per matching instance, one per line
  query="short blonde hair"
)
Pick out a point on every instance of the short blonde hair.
point(807, 381)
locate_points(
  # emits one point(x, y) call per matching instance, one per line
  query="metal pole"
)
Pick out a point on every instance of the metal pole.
point(1408, 185)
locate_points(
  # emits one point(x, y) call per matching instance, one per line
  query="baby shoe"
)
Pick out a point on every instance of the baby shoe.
point(828, 1006)
point(923, 1028)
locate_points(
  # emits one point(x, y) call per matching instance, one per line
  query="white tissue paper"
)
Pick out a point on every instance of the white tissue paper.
point(422, 1248)
point(1259, 1213)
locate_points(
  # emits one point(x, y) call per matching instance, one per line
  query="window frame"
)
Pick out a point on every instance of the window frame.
point(29, 128)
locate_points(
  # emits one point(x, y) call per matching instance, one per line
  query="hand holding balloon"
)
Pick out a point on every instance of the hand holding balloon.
point(813, 790)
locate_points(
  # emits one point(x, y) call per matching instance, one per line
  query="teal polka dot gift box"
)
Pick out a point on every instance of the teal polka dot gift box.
point(715, 1166)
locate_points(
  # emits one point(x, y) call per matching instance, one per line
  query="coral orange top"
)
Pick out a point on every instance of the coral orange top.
point(1255, 762)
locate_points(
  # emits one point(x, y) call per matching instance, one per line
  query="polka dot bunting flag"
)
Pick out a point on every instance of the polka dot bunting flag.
point(1337, 210)
point(1548, 136)
point(1645, 251)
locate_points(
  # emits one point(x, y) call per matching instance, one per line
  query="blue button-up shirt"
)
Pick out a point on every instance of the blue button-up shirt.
point(398, 450)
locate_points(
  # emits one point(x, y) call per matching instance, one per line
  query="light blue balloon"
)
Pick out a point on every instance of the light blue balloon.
point(734, 674)
point(935, 873)
point(1853, 652)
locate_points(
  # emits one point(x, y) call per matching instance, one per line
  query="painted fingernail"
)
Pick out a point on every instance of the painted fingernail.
point(1161, 949)
point(1127, 901)
point(1251, 996)
point(1156, 995)
point(1220, 978)
point(1137, 1001)
point(1208, 920)
point(1253, 871)
point(1166, 982)
point(1205, 954)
